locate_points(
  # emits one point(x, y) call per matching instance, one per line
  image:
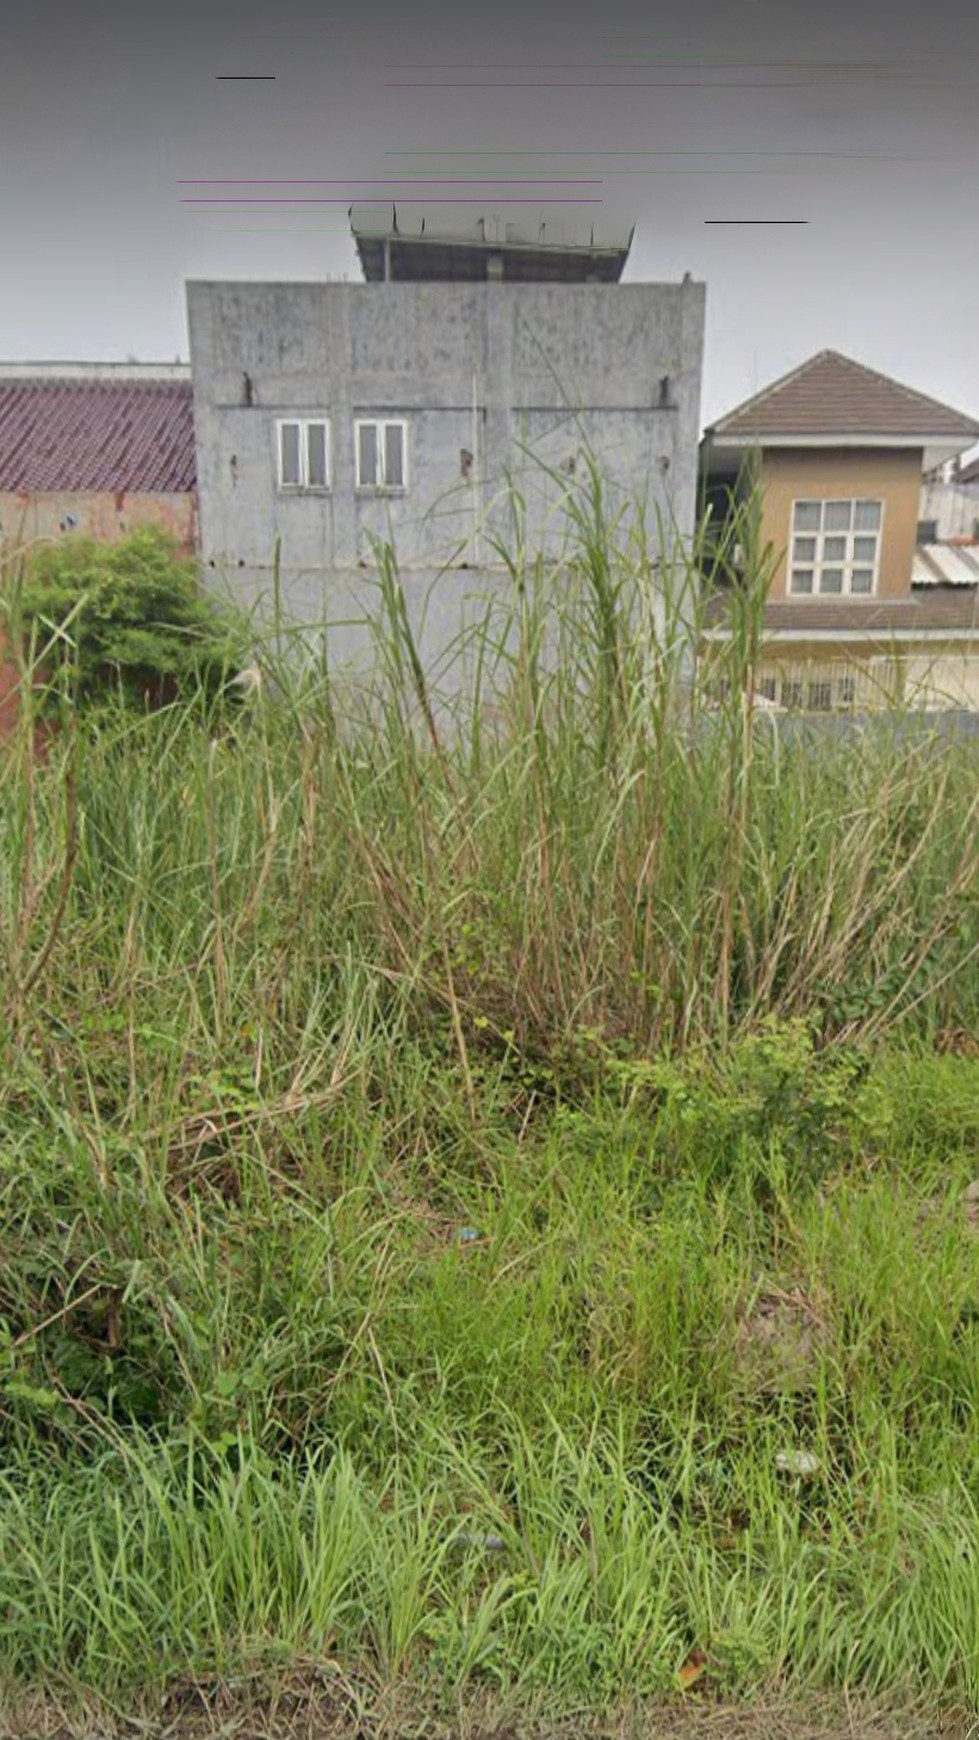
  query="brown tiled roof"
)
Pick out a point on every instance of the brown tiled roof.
point(74, 434)
point(937, 608)
point(832, 395)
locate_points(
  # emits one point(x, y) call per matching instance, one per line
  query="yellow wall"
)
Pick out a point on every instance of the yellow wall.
point(891, 476)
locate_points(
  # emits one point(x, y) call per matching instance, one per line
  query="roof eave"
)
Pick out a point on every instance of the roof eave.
point(880, 635)
point(725, 453)
point(718, 437)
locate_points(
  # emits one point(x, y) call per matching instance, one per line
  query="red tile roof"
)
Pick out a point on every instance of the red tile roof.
point(71, 434)
point(832, 395)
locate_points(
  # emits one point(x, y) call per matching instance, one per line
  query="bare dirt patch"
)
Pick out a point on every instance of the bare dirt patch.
point(320, 1705)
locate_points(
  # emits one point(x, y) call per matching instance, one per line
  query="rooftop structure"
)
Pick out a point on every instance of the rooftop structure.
point(407, 247)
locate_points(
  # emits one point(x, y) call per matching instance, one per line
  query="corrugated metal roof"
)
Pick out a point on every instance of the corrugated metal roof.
point(97, 434)
point(546, 246)
point(544, 228)
point(945, 565)
point(830, 394)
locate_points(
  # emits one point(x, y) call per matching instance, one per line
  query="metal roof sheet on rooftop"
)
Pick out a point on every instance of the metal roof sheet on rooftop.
point(408, 244)
point(945, 565)
point(495, 229)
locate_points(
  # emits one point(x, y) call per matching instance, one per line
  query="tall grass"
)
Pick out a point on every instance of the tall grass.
point(458, 1143)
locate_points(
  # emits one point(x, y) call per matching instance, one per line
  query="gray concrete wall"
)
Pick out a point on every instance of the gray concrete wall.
point(486, 367)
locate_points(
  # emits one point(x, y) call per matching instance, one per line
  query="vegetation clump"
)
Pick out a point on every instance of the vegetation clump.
point(485, 1188)
point(124, 621)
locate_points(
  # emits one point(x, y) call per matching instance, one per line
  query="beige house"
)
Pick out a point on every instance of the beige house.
point(861, 609)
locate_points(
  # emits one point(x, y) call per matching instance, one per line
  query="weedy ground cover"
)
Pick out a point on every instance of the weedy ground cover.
point(484, 1190)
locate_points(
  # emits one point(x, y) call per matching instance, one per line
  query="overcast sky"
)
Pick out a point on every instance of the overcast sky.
point(861, 118)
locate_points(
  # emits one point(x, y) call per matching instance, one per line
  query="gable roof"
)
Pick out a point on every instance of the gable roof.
point(77, 433)
point(969, 473)
point(829, 395)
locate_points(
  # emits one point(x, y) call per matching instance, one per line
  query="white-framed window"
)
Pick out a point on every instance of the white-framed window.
point(835, 547)
point(381, 446)
point(303, 449)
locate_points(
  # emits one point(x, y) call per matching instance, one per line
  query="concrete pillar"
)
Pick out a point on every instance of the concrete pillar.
point(498, 394)
point(344, 553)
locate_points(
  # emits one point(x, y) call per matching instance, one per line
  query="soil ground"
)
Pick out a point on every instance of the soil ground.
point(328, 1707)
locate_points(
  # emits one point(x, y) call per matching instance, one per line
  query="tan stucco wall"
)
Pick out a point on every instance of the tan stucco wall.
point(823, 651)
point(893, 477)
point(942, 673)
point(101, 515)
point(950, 674)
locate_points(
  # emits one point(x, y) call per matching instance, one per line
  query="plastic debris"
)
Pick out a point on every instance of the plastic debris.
point(489, 1543)
point(693, 1668)
point(797, 1462)
point(470, 1235)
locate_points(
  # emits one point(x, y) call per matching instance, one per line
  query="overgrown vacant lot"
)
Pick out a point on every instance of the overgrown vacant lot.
point(485, 1215)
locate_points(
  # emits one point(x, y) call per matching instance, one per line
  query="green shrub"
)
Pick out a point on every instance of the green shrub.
point(128, 621)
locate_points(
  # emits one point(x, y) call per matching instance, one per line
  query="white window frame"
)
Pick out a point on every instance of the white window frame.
point(847, 562)
point(304, 424)
point(377, 484)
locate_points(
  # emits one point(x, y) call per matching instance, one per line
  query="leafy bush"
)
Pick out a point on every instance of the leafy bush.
point(127, 620)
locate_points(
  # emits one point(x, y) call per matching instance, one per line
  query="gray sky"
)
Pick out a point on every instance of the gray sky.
point(106, 108)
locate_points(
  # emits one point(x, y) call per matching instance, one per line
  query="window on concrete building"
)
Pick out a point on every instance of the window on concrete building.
point(382, 453)
point(835, 547)
point(316, 468)
point(304, 453)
